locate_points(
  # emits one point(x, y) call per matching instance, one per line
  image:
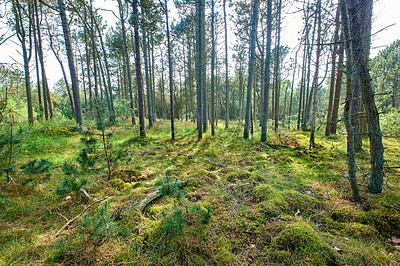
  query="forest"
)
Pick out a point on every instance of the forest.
point(192, 132)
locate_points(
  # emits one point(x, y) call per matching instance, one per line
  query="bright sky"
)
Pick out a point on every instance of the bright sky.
point(385, 14)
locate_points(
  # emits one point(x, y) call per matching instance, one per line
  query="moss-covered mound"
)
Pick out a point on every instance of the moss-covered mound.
point(300, 242)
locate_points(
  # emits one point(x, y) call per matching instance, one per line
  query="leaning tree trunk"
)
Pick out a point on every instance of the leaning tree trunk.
point(71, 63)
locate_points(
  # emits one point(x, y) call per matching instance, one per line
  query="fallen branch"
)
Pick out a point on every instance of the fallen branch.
point(79, 215)
point(146, 201)
point(85, 195)
point(153, 196)
point(162, 144)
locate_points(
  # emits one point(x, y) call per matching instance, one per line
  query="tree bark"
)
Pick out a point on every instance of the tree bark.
point(315, 81)
point(226, 70)
point(253, 35)
point(171, 89)
point(360, 53)
point(139, 79)
point(264, 113)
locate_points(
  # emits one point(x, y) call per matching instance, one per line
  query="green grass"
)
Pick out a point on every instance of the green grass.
point(274, 202)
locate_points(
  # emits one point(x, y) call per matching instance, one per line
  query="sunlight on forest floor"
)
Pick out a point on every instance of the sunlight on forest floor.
point(222, 200)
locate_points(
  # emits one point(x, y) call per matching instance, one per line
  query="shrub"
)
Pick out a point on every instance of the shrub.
point(36, 166)
point(71, 182)
point(96, 228)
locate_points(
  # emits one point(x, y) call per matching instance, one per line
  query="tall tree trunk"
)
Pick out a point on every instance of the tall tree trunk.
point(199, 65)
point(147, 77)
point(71, 63)
point(315, 81)
point(107, 66)
point(292, 88)
point(162, 89)
point(333, 70)
point(203, 65)
point(346, 114)
point(212, 116)
point(171, 89)
point(138, 66)
point(338, 85)
point(226, 71)
point(253, 36)
point(264, 113)
point(85, 31)
point(127, 61)
point(277, 65)
point(45, 84)
point(355, 10)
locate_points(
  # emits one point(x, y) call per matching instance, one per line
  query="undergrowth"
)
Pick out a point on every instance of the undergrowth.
point(222, 200)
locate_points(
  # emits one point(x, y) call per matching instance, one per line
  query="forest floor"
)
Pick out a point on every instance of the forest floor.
point(219, 201)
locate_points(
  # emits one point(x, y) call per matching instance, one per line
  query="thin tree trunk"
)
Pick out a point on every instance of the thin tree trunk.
point(212, 117)
point(264, 113)
point(338, 86)
point(139, 80)
point(171, 89)
point(253, 36)
point(292, 89)
point(315, 82)
point(127, 61)
point(328, 126)
point(199, 63)
point(350, 130)
point(277, 70)
point(226, 71)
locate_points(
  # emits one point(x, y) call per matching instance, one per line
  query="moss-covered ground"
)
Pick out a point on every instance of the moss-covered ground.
point(224, 201)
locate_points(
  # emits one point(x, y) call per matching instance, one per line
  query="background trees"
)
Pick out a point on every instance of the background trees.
point(207, 52)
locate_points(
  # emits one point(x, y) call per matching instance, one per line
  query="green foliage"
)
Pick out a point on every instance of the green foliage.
point(96, 228)
point(36, 166)
point(170, 186)
point(174, 222)
point(122, 108)
point(86, 156)
point(70, 183)
point(390, 123)
point(202, 215)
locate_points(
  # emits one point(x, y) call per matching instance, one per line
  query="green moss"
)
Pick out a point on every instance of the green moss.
point(347, 213)
point(360, 231)
point(117, 183)
point(238, 175)
point(304, 244)
point(300, 202)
